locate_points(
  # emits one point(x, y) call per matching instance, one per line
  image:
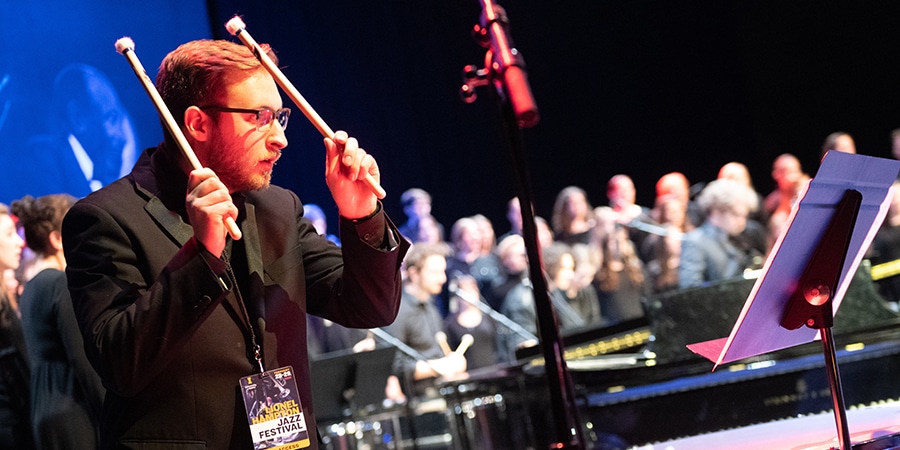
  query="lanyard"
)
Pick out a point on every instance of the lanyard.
point(257, 353)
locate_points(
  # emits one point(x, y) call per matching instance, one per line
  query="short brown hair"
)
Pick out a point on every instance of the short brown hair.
point(197, 72)
point(421, 251)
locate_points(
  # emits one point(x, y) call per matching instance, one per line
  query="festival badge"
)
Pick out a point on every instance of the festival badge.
point(273, 409)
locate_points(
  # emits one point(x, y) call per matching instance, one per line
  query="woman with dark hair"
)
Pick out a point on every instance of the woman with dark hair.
point(573, 216)
point(15, 430)
point(66, 393)
point(620, 279)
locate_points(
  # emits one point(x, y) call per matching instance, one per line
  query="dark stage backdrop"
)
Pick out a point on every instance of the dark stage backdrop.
point(635, 87)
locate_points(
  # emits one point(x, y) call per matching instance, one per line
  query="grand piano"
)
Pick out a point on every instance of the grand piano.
point(637, 384)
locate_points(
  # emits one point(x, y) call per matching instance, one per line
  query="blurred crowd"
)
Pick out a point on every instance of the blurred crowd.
point(601, 262)
point(467, 303)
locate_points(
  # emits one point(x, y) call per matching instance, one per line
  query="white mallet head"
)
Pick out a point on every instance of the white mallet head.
point(123, 44)
point(464, 343)
point(235, 25)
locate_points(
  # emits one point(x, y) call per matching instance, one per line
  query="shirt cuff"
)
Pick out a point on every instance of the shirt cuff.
point(373, 230)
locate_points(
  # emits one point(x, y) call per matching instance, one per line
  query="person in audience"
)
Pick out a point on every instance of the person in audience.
point(468, 258)
point(429, 230)
point(677, 185)
point(754, 238)
point(544, 232)
point(465, 239)
point(419, 321)
point(885, 249)
point(514, 217)
point(519, 306)
point(560, 263)
point(324, 336)
point(661, 252)
point(416, 205)
point(709, 254)
point(620, 280)
point(467, 319)
point(839, 141)
point(789, 181)
point(315, 213)
point(739, 172)
point(66, 393)
point(488, 236)
point(487, 266)
point(572, 217)
point(15, 401)
point(513, 269)
point(622, 198)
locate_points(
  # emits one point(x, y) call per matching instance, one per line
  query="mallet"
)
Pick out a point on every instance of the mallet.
point(125, 46)
point(236, 27)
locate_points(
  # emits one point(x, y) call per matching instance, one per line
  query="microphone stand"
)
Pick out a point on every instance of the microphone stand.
point(407, 350)
point(505, 69)
point(493, 314)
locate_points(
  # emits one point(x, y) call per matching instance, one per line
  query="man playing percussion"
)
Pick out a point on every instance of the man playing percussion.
point(181, 321)
point(419, 324)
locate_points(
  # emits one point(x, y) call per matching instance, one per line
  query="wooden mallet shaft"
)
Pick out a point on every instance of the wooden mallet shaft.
point(125, 46)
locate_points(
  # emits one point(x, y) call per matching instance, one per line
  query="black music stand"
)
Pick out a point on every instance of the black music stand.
point(346, 383)
point(808, 270)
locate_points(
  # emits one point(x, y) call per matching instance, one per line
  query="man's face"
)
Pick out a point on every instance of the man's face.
point(845, 144)
point(470, 239)
point(577, 205)
point(564, 277)
point(431, 275)
point(734, 219)
point(240, 155)
point(621, 192)
point(515, 259)
point(786, 172)
point(418, 208)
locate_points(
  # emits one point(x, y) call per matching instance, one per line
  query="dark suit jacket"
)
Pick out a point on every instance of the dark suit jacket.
point(163, 327)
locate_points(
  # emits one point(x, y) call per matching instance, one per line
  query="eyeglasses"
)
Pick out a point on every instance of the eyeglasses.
point(264, 116)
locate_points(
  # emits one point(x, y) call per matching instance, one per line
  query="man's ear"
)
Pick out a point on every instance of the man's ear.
point(197, 123)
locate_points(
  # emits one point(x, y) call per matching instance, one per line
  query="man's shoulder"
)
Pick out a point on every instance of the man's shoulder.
point(114, 194)
point(704, 231)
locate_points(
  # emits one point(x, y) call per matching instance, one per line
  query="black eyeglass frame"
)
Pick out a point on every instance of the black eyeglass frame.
point(281, 115)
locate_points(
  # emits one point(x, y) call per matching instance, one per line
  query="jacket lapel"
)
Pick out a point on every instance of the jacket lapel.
point(250, 230)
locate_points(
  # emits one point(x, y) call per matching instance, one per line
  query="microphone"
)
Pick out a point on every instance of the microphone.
point(508, 62)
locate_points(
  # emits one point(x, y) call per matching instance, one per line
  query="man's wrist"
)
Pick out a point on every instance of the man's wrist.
point(378, 208)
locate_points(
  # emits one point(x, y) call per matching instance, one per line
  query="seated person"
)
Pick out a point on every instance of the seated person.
point(709, 253)
point(418, 323)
